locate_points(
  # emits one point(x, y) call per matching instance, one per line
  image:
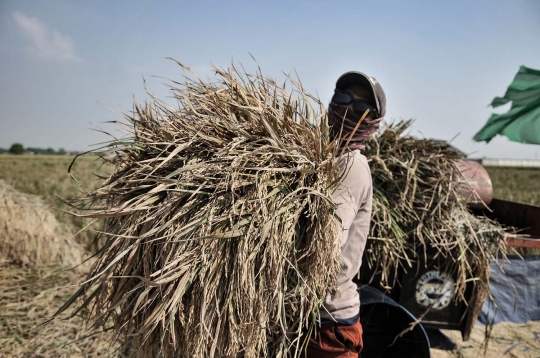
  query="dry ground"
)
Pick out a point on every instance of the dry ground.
point(27, 298)
point(507, 340)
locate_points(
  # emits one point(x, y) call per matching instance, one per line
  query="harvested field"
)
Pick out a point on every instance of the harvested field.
point(516, 184)
point(36, 251)
point(28, 297)
point(47, 176)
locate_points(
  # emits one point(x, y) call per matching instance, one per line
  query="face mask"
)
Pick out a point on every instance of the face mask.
point(342, 122)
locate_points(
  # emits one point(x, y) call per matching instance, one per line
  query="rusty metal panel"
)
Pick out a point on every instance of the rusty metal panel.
point(532, 243)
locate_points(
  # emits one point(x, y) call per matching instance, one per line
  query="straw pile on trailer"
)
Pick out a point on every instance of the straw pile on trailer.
point(221, 237)
point(418, 208)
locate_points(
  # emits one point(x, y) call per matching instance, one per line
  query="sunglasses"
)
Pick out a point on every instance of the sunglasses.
point(359, 105)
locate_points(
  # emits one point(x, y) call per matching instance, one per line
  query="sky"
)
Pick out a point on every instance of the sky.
point(68, 67)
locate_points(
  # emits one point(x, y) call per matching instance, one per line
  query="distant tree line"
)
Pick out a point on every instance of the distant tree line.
point(18, 149)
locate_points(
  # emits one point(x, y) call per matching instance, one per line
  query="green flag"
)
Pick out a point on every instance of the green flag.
point(522, 122)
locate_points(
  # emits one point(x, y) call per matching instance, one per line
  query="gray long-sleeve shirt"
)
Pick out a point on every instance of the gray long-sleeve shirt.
point(354, 198)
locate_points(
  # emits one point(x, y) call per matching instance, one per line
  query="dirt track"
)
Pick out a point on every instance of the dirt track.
point(508, 340)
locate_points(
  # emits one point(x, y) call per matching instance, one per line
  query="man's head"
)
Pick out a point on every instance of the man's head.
point(361, 87)
point(356, 93)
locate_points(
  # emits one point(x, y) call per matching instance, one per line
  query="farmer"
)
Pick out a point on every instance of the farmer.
point(340, 334)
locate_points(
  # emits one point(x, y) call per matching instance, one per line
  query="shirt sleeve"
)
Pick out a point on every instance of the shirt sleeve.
point(354, 200)
point(353, 193)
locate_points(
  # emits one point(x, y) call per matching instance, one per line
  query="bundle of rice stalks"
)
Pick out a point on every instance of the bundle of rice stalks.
point(418, 209)
point(30, 235)
point(221, 234)
point(28, 297)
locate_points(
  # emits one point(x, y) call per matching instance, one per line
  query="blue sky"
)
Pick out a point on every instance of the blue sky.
point(440, 62)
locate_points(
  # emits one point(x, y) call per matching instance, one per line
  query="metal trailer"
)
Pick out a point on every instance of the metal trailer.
point(426, 290)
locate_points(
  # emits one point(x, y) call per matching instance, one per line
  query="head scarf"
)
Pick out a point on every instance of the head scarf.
point(342, 122)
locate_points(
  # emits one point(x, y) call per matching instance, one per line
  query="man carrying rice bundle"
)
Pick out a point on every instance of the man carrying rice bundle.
point(219, 215)
point(354, 114)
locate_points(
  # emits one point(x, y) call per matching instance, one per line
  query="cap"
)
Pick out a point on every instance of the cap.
point(370, 83)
